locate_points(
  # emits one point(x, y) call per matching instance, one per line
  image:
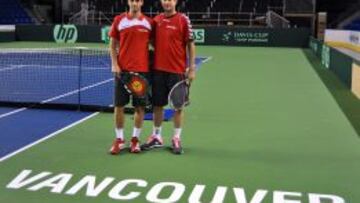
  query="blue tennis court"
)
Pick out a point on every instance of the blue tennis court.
point(25, 128)
point(57, 78)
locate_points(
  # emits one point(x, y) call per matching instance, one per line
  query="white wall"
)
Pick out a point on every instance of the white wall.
point(351, 38)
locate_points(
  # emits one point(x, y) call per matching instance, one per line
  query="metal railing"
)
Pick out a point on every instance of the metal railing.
point(274, 20)
point(247, 19)
point(86, 17)
point(222, 18)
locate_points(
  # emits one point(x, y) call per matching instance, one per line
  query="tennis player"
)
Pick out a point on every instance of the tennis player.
point(130, 35)
point(173, 42)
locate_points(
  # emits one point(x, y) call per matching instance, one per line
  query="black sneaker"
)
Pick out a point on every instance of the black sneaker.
point(176, 146)
point(153, 142)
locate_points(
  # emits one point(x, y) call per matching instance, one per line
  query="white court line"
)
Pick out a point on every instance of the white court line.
point(207, 59)
point(12, 112)
point(47, 137)
point(14, 67)
point(76, 91)
point(58, 97)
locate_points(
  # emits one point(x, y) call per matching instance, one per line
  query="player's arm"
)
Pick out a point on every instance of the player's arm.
point(192, 54)
point(114, 44)
point(190, 48)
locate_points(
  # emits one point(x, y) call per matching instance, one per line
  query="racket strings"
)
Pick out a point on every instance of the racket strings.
point(179, 95)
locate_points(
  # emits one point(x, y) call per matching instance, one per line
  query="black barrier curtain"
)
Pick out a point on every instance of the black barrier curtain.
point(222, 35)
point(299, 6)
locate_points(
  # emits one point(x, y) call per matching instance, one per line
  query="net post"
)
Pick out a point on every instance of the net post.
point(79, 78)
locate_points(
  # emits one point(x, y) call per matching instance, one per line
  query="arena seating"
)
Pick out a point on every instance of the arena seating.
point(354, 25)
point(13, 13)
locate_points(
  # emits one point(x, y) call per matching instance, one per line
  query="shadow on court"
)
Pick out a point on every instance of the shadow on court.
point(348, 102)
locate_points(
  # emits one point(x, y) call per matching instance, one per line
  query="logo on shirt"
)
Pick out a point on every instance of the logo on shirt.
point(171, 27)
point(143, 30)
point(127, 23)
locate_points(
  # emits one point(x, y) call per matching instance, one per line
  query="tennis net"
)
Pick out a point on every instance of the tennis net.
point(58, 77)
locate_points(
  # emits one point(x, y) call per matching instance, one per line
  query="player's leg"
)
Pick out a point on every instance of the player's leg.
point(159, 100)
point(121, 99)
point(138, 123)
point(139, 118)
point(178, 117)
point(178, 124)
point(119, 118)
point(158, 112)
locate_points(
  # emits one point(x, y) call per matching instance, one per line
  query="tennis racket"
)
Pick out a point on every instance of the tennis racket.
point(179, 95)
point(135, 83)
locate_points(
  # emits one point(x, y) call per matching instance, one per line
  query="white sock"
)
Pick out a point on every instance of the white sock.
point(157, 131)
point(177, 132)
point(119, 133)
point(136, 132)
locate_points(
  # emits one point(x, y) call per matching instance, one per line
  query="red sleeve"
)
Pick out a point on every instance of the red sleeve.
point(114, 32)
point(187, 29)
